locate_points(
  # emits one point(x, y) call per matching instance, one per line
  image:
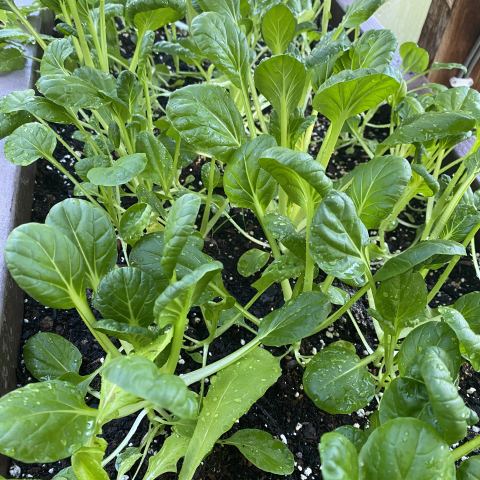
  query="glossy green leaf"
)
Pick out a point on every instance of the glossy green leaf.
point(47, 110)
point(10, 122)
point(127, 295)
point(468, 339)
point(231, 394)
point(29, 143)
point(84, 165)
point(328, 50)
point(148, 251)
point(429, 334)
point(206, 116)
point(337, 381)
point(297, 319)
point(172, 48)
point(264, 451)
point(122, 171)
point(359, 11)
point(128, 89)
point(357, 436)
point(44, 422)
point(54, 57)
point(351, 92)
point(134, 221)
point(246, 184)
point(280, 79)
point(428, 186)
point(154, 14)
point(431, 252)
point(401, 299)
point(448, 406)
point(375, 48)
point(46, 264)
point(70, 91)
point(469, 306)
point(86, 462)
point(469, 469)
point(303, 179)
point(91, 231)
point(414, 58)
point(65, 474)
point(48, 356)
point(284, 230)
point(224, 44)
point(137, 336)
point(430, 126)
point(338, 237)
point(181, 218)
point(141, 377)
point(11, 59)
point(378, 186)
point(460, 99)
point(173, 449)
point(205, 175)
point(252, 261)
point(339, 457)
point(278, 28)
point(461, 222)
point(418, 449)
point(14, 102)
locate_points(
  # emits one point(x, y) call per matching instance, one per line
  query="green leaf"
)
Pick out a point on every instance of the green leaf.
point(407, 398)
point(29, 143)
point(414, 58)
point(14, 102)
point(134, 221)
point(224, 44)
point(137, 336)
point(54, 57)
point(227, 8)
point(231, 394)
point(159, 161)
point(171, 48)
point(401, 299)
point(84, 165)
point(428, 186)
point(44, 422)
point(48, 356)
point(47, 110)
point(302, 178)
point(148, 251)
point(418, 128)
point(284, 230)
point(297, 319)
point(281, 79)
point(339, 457)
point(91, 231)
point(127, 295)
point(328, 50)
point(70, 91)
point(359, 11)
point(460, 99)
point(469, 469)
point(10, 122)
point(468, 339)
point(429, 334)
point(338, 237)
point(154, 14)
point(145, 50)
point(252, 261)
point(122, 171)
point(378, 186)
point(205, 175)
point(206, 116)
point(283, 268)
point(11, 59)
point(448, 406)
point(173, 449)
point(141, 377)
point(460, 223)
point(46, 264)
point(469, 306)
point(430, 252)
point(181, 218)
point(351, 92)
point(375, 48)
point(246, 184)
point(264, 451)
point(128, 89)
point(357, 436)
point(65, 474)
point(86, 462)
point(418, 449)
point(337, 381)
point(278, 28)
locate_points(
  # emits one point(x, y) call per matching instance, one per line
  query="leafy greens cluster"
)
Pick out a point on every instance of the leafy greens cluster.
point(270, 64)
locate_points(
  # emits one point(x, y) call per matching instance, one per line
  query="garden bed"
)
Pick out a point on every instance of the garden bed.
point(285, 411)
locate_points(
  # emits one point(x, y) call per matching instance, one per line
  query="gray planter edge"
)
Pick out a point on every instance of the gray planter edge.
point(16, 195)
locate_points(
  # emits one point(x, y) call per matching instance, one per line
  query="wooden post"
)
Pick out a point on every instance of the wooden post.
point(450, 31)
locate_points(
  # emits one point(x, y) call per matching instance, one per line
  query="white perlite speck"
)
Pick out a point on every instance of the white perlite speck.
point(283, 439)
point(15, 471)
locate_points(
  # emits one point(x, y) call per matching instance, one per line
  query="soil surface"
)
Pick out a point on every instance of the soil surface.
point(285, 411)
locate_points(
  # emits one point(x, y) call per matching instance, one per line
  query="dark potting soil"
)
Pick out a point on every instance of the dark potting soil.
point(285, 411)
